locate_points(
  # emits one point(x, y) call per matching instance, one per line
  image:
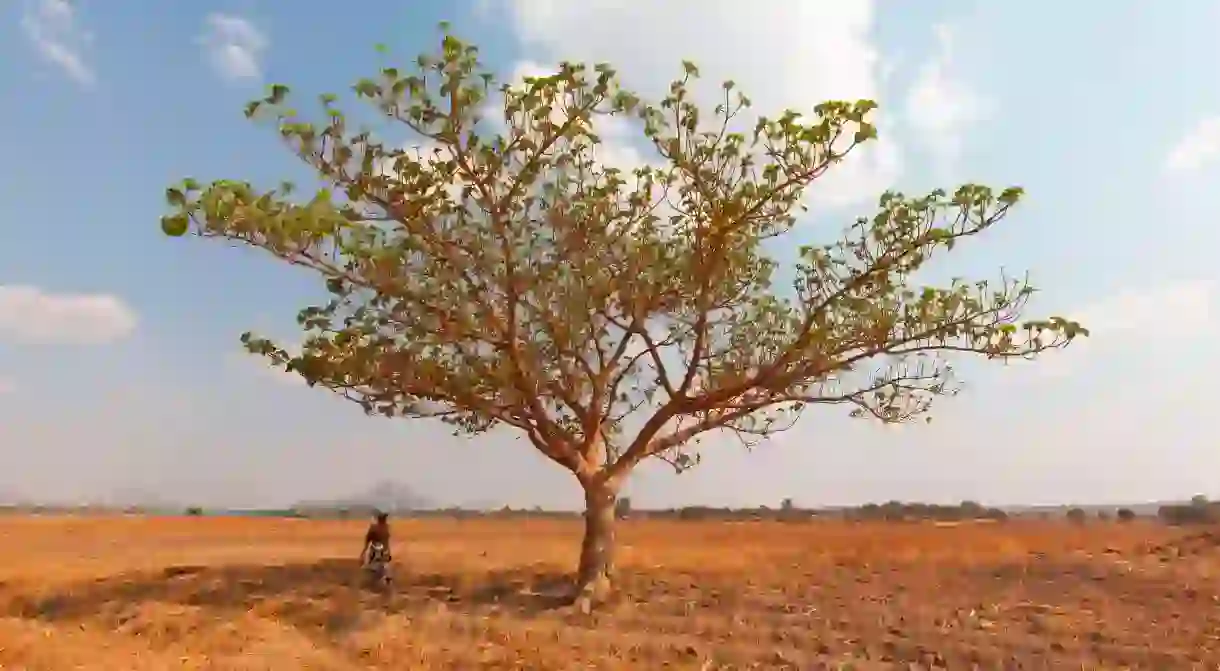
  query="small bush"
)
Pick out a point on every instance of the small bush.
point(194, 511)
point(1076, 515)
point(995, 514)
point(1192, 513)
point(1125, 515)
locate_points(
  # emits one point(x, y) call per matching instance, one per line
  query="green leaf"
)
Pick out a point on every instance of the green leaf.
point(367, 88)
point(175, 225)
point(1011, 195)
point(278, 93)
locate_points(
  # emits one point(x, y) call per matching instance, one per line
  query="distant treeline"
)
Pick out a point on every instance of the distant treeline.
point(1198, 511)
point(787, 511)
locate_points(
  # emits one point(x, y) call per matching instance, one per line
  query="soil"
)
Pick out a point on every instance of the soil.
point(233, 593)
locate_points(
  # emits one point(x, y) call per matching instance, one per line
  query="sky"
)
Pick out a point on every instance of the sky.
point(121, 374)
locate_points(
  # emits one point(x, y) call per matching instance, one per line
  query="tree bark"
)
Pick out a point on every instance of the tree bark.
point(595, 574)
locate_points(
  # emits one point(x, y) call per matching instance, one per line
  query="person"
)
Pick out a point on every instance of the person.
point(376, 540)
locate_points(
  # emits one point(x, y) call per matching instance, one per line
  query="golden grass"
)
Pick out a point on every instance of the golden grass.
point(242, 593)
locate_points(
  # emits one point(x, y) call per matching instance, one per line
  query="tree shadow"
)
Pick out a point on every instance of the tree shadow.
point(329, 593)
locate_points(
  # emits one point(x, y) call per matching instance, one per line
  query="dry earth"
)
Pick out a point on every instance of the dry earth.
point(215, 593)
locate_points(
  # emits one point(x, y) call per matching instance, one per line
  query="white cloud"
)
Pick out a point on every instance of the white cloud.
point(1151, 318)
point(234, 46)
point(52, 26)
point(1172, 310)
point(782, 54)
point(34, 316)
point(939, 107)
point(1200, 146)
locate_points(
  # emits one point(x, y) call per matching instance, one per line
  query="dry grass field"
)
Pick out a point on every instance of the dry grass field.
point(239, 593)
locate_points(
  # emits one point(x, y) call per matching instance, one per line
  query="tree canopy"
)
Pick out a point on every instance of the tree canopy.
point(504, 274)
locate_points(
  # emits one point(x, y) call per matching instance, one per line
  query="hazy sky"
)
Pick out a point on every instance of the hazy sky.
point(120, 367)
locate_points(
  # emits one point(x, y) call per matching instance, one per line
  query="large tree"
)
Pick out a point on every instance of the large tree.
point(503, 274)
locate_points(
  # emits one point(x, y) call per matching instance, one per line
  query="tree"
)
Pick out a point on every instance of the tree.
point(503, 275)
point(1125, 515)
point(1193, 513)
point(786, 505)
point(1199, 501)
point(1076, 515)
point(870, 511)
point(997, 514)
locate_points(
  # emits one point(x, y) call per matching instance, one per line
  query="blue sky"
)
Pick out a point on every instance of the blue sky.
point(120, 369)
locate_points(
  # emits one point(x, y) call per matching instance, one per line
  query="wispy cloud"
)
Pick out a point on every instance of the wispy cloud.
point(234, 46)
point(1160, 316)
point(940, 107)
point(53, 27)
point(32, 315)
point(1198, 147)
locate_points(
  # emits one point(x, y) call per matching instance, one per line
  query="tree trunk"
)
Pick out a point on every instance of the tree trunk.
point(595, 575)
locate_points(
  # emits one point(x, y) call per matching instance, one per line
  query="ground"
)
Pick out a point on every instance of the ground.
point(241, 593)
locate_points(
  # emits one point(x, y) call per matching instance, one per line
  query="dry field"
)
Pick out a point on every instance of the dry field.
point(216, 593)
